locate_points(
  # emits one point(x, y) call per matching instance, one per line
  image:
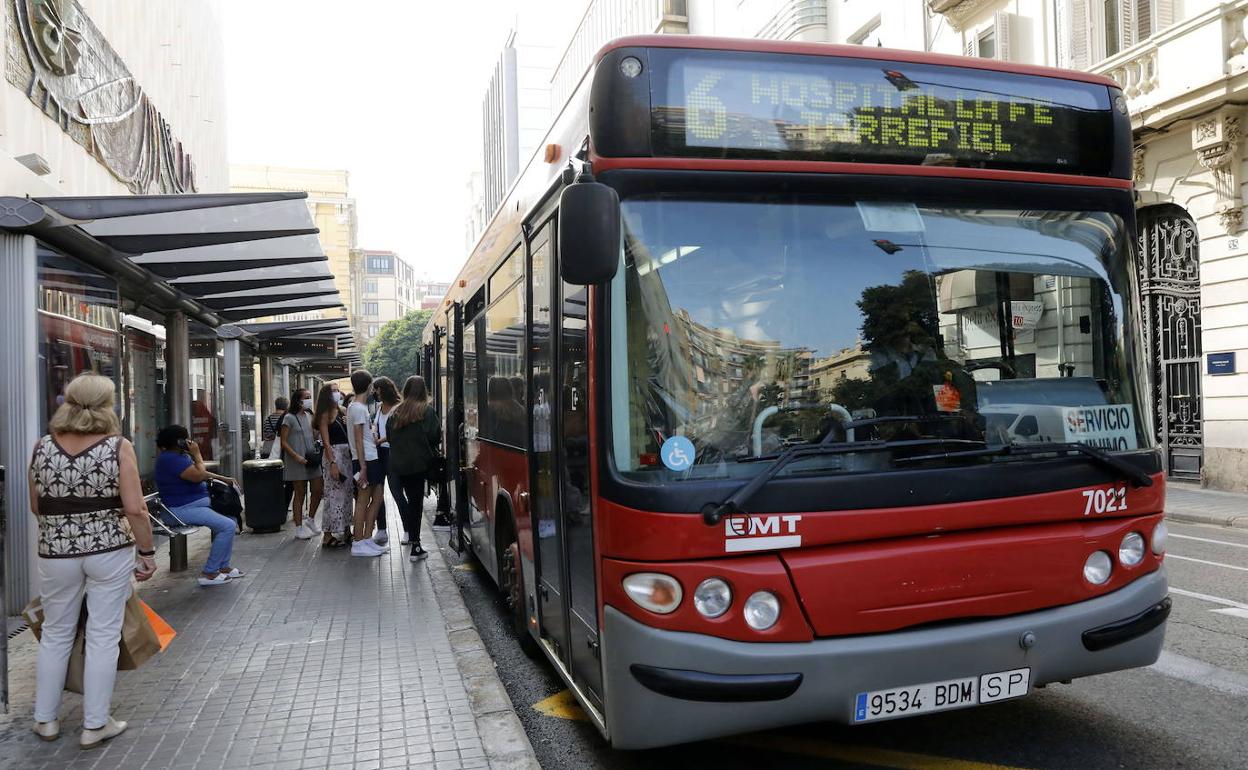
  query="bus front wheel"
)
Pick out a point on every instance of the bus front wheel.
point(513, 585)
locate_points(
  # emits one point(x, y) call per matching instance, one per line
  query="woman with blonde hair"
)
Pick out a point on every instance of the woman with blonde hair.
point(415, 434)
point(86, 494)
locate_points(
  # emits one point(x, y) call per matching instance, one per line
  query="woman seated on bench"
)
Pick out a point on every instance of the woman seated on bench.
point(181, 480)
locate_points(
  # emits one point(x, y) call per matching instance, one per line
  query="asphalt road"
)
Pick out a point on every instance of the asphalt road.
point(1190, 710)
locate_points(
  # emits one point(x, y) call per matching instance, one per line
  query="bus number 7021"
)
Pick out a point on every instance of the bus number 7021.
point(1111, 500)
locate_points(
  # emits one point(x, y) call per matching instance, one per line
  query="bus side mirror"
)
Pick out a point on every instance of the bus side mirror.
point(589, 232)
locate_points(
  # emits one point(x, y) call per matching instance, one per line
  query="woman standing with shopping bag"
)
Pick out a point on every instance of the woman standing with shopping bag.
point(85, 492)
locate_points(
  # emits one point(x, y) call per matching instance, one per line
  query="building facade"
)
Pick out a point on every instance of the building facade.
point(334, 212)
point(387, 288)
point(1183, 66)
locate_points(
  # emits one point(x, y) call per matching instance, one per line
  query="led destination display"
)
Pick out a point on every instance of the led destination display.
point(716, 104)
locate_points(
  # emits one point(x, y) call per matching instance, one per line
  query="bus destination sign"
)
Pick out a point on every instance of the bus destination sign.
point(715, 104)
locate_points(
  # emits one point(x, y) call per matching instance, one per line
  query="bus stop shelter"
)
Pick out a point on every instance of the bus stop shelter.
point(155, 292)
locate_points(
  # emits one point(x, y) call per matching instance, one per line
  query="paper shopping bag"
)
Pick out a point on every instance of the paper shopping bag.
point(33, 615)
point(77, 662)
point(138, 639)
point(164, 632)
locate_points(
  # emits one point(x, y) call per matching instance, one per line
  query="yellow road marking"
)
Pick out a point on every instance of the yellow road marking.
point(561, 705)
point(863, 755)
point(468, 566)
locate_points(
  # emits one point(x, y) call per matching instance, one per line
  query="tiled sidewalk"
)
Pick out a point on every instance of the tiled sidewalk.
point(315, 659)
point(1189, 502)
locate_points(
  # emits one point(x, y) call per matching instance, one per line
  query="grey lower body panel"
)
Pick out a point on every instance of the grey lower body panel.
point(834, 671)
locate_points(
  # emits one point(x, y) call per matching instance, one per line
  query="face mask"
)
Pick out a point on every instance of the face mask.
point(307, 404)
point(337, 398)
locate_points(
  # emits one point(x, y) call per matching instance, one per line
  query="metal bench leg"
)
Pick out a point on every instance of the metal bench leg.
point(177, 552)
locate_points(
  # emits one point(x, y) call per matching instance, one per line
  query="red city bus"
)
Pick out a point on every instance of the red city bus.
point(803, 382)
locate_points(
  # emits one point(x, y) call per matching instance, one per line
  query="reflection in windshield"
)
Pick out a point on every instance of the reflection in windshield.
point(748, 326)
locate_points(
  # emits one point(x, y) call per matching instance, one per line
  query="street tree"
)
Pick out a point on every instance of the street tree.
point(395, 351)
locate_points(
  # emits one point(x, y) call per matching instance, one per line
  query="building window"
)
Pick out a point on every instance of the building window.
point(370, 330)
point(1095, 30)
point(370, 308)
point(1113, 27)
point(380, 265)
point(986, 44)
point(370, 287)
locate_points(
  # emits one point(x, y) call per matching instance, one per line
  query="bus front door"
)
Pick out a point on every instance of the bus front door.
point(572, 458)
point(544, 482)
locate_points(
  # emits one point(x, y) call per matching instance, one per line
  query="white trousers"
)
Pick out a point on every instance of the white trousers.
point(105, 577)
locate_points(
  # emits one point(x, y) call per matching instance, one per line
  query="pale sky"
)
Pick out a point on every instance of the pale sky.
point(390, 90)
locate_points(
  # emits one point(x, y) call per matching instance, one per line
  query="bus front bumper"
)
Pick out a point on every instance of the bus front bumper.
point(667, 687)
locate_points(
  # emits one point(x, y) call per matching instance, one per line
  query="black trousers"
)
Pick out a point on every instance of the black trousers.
point(410, 496)
point(383, 454)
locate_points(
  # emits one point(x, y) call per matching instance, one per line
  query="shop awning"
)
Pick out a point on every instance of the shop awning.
point(218, 257)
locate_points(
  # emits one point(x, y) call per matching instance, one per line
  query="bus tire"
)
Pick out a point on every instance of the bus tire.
point(513, 589)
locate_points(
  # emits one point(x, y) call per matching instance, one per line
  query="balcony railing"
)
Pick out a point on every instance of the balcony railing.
point(1174, 71)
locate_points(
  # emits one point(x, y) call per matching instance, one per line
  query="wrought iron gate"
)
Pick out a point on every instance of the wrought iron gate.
point(1169, 270)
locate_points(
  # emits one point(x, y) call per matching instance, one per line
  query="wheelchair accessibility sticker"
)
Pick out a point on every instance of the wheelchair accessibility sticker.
point(677, 453)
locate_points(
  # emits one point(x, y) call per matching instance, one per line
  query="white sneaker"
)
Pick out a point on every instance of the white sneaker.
point(302, 532)
point(92, 738)
point(362, 548)
point(380, 537)
point(220, 580)
point(310, 523)
point(380, 548)
point(48, 731)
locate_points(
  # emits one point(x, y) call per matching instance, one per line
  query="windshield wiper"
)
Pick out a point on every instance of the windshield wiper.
point(713, 513)
point(1137, 476)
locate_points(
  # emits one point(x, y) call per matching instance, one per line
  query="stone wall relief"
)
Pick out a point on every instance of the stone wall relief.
point(1215, 140)
point(70, 71)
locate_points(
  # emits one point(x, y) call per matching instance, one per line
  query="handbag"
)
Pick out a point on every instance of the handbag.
point(224, 499)
point(312, 458)
point(436, 472)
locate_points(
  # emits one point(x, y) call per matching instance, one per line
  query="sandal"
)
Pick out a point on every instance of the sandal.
point(332, 541)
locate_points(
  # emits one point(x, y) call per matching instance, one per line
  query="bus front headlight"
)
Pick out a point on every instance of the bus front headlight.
point(1131, 550)
point(712, 597)
point(654, 591)
point(1097, 568)
point(1160, 534)
point(761, 610)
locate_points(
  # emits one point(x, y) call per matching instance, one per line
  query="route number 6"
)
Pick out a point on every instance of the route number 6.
point(1109, 500)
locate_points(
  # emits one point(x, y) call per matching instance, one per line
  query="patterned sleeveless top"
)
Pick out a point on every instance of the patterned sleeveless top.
point(79, 499)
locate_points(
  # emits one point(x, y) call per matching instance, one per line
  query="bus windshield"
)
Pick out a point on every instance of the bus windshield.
point(743, 326)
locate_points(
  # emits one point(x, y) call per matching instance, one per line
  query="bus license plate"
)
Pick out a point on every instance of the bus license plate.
point(941, 696)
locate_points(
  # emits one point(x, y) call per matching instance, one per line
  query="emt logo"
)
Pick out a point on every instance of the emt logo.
point(761, 533)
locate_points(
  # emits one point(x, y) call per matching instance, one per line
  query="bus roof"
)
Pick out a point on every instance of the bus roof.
point(850, 51)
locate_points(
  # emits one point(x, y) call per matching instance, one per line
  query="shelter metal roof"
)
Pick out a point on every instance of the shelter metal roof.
point(218, 257)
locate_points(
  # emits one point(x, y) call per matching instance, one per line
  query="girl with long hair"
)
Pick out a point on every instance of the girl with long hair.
point(415, 434)
point(297, 443)
point(387, 400)
point(339, 492)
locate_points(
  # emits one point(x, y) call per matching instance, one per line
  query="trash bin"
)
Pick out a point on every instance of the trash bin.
point(264, 499)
